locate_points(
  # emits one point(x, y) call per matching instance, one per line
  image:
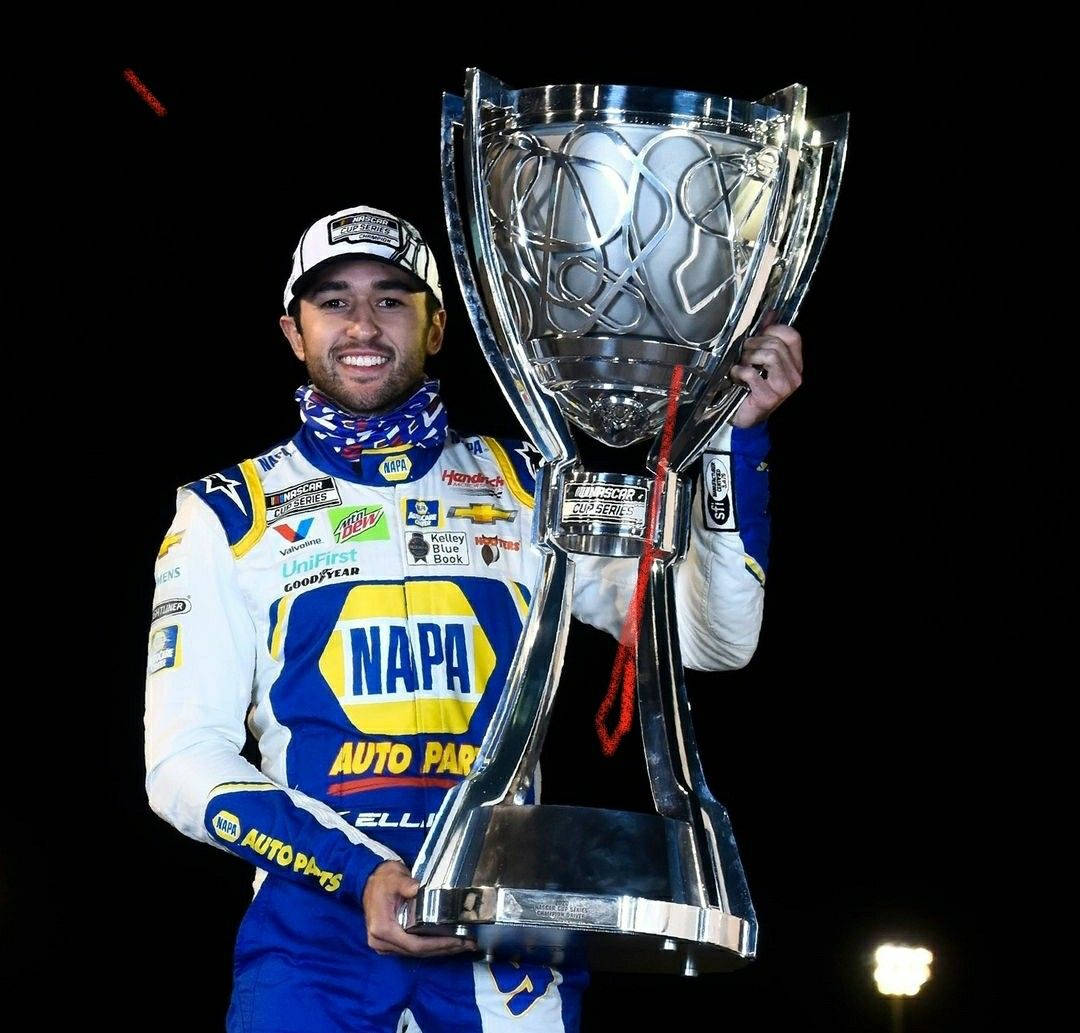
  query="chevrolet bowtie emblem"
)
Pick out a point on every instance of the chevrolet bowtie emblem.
point(482, 514)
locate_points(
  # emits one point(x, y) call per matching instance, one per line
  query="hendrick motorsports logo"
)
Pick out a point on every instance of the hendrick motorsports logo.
point(474, 483)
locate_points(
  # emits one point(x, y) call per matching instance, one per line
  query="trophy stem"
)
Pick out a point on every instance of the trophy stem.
point(674, 765)
point(510, 751)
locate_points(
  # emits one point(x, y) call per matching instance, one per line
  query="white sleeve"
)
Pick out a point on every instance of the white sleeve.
point(199, 686)
point(719, 591)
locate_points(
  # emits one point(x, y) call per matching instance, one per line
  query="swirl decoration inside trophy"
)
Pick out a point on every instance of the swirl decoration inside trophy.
point(615, 245)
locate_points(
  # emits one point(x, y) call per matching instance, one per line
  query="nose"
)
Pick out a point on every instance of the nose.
point(362, 325)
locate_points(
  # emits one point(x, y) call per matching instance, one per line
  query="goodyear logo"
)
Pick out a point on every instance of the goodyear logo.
point(359, 523)
point(398, 676)
point(395, 468)
point(226, 826)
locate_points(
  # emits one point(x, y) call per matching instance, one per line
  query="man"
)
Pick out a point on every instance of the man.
point(356, 594)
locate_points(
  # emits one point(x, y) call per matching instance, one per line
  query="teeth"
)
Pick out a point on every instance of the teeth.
point(363, 360)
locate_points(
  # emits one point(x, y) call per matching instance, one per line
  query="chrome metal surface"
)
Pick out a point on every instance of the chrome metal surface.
point(602, 236)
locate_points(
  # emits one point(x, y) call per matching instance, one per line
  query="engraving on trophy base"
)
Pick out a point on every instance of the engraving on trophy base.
point(611, 933)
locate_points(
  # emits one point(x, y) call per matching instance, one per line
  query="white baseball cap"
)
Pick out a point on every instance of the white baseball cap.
point(356, 233)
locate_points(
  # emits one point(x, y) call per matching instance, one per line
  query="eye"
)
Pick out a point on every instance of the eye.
point(389, 302)
point(333, 303)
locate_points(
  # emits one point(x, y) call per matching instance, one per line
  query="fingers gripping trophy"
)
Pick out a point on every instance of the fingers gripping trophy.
point(615, 246)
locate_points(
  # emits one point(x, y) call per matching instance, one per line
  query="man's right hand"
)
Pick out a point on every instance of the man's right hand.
point(387, 888)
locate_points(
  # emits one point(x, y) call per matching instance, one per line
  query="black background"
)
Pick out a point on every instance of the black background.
point(843, 752)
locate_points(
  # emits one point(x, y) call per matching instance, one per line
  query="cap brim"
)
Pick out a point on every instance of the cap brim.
point(307, 281)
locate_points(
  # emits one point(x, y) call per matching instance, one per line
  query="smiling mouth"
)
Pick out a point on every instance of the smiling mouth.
point(363, 361)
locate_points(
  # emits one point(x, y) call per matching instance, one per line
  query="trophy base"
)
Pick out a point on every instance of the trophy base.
point(608, 934)
point(577, 885)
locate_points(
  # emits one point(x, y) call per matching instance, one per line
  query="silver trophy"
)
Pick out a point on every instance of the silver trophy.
point(614, 242)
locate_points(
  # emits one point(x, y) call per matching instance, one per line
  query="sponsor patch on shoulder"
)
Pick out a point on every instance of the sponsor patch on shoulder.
point(270, 459)
point(170, 608)
point(717, 494)
point(164, 649)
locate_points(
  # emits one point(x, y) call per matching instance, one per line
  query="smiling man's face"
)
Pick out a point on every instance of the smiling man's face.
point(364, 334)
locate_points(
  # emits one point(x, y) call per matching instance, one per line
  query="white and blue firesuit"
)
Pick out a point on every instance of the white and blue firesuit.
point(361, 618)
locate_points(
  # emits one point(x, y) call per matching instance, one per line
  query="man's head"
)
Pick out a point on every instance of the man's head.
point(364, 308)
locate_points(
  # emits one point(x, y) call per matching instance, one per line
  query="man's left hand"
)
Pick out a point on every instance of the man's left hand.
point(771, 366)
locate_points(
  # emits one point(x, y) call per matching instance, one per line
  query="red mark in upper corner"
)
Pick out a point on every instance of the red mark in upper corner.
point(136, 84)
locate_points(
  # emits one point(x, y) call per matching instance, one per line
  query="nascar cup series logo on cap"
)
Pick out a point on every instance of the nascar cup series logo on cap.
point(359, 227)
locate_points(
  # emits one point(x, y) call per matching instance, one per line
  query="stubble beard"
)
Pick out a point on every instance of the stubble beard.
point(374, 401)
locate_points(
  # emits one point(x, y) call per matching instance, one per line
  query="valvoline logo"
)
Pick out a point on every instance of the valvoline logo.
point(295, 534)
point(398, 676)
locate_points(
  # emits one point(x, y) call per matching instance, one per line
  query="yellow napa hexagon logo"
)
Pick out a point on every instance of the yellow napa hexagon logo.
point(226, 826)
point(368, 661)
point(395, 468)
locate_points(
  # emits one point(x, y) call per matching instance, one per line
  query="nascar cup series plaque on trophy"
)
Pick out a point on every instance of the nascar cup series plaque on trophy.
point(615, 246)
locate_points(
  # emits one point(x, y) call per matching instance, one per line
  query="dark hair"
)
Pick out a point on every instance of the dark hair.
point(431, 306)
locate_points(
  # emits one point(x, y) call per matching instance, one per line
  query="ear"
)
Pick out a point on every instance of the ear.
point(293, 336)
point(435, 334)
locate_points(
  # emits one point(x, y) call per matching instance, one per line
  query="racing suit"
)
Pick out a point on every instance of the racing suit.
point(361, 617)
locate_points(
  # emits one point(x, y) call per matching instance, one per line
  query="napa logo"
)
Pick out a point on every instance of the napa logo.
point(521, 985)
point(395, 468)
point(226, 826)
point(396, 676)
point(359, 523)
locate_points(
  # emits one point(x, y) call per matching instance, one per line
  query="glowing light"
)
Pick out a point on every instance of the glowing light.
point(901, 971)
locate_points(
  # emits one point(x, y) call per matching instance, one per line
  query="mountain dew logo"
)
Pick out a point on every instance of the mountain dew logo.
point(359, 523)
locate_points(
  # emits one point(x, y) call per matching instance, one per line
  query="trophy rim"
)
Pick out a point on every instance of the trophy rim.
point(628, 103)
